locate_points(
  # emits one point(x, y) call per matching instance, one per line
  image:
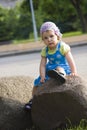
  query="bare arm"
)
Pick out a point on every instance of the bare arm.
point(43, 68)
point(71, 62)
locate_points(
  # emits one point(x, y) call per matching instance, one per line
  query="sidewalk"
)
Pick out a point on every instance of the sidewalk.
point(11, 49)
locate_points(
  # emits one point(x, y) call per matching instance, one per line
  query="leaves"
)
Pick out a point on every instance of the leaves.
point(16, 23)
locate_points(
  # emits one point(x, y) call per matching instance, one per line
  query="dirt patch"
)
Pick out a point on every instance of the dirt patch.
point(17, 88)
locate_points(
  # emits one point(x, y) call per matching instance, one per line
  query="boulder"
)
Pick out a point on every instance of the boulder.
point(14, 93)
point(55, 104)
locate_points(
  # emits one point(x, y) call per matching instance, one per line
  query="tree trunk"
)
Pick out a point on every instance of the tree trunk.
point(76, 4)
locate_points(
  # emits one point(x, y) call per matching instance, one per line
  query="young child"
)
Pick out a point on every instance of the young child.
point(56, 58)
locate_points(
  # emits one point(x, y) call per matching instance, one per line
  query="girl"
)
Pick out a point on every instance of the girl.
point(56, 58)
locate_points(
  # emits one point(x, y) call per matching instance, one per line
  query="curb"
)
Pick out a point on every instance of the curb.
point(35, 50)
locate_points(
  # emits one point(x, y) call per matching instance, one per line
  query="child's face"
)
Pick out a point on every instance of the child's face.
point(50, 39)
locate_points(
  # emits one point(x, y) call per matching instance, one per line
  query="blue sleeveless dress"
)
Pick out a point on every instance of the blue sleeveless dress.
point(54, 60)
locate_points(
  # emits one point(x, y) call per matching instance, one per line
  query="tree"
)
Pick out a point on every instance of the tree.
point(77, 6)
point(6, 24)
point(56, 11)
point(70, 17)
point(24, 22)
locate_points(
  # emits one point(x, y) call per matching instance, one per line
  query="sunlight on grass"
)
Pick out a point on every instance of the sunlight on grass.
point(72, 34)
point(32, 40)
point(82, 126)
point(22, 41)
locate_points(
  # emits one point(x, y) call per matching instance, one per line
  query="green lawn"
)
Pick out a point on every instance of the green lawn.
point(72, 34)
point(32, 40)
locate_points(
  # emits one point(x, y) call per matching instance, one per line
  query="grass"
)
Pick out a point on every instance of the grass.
point(76, 33)
point(82, 126)
point(22, 41)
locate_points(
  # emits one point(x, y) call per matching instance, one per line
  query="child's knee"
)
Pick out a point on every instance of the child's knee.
point(60, 69)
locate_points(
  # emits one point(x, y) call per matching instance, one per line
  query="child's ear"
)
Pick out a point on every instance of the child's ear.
point(58, 37)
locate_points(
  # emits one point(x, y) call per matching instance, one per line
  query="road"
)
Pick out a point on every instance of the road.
point(28, 64)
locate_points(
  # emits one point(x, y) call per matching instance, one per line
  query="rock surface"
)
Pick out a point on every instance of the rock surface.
point(14, 93)
point(55, 104)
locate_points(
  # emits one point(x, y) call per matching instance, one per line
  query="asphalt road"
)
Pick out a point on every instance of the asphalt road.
point(28, 64)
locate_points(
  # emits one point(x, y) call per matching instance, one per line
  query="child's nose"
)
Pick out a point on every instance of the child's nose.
point(49, 39)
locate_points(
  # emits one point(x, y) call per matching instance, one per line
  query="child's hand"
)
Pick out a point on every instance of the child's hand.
point(42, 79)
point(74, 74)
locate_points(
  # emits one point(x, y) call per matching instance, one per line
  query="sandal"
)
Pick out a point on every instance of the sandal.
point(28, 106)
point(57, 75)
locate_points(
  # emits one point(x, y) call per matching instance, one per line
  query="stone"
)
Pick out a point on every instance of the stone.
point(55, 104)
point(14, 93)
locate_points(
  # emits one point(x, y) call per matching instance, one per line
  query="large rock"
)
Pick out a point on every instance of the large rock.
point(14, 93)
point(55, 104)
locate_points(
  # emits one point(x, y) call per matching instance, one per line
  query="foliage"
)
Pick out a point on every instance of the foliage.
point(77, 5)
point(6, 26)
point(16, 23)
point(23, 26)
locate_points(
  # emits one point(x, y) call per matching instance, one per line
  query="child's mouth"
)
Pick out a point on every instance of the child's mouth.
point(50, 44)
